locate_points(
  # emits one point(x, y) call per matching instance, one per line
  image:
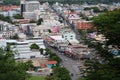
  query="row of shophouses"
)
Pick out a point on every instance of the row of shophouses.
point(68, 47)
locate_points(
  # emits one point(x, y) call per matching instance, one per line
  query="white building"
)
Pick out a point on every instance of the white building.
point(36, 40)
point(2, 43)
point(22, 48)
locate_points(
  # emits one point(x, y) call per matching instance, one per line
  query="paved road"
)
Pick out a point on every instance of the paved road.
point(71, 25)
point(68, 63)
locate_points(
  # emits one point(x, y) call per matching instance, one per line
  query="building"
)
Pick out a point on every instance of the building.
point(7, 29)
point(41, 30)
point(29, 15)
point(68, 35)
point(37, 40)
point(77, 51)
point(50, 64)
point(22, 48)
point(2, 43)
point(22, 6)
point(84, 24)
point(30, 6)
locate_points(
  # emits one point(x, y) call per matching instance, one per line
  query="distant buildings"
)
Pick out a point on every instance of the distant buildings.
point(9, 10)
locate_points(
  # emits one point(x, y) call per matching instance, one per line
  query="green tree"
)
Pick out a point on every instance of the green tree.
point(49, 78)
point(17, 16)
point(39, 21)
point(49, 31)
point(5, 18)
point(109, 25)
point(10, 69)
point(15, 36)
point(96, 9)
point(41, 50)
point(61, 73)
point(34, 46)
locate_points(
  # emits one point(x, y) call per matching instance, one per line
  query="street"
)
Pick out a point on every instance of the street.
point(70, 64)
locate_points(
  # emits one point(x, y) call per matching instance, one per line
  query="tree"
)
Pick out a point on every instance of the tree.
point(109, 25)
point(39, 21)
point(49, 78)
point(61, 73)
point(32, 21)
point(49, 31)
point(18, 16)
point(41, 50)
point(14, 2)
point(5, 18)
point(15, 36)
point(96, 9)
point(34, 46)
point(10, 69)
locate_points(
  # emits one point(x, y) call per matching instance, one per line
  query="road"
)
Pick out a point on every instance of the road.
point(71, 25)
point(70, 64)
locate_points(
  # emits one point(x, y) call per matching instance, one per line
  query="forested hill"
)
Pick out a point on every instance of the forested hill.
point(65, 1)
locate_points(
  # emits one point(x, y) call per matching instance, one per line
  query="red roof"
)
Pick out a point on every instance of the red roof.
point(42, 65)
point(6, 8)
point(84, 25)
point(51, 62)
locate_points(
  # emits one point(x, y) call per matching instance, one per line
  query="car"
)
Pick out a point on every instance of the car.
point(65, 59)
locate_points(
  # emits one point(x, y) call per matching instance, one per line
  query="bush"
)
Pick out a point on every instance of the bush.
point(34, 46)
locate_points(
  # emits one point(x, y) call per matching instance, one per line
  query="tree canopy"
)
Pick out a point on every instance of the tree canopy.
point(109, 25)
point(39, 21)
point(17, 16)
point(34, 46)
point(9, 69)
point(61, 73)
point(5, 18)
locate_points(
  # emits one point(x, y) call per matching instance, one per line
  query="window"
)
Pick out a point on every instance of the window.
point(71, 38)
point(62, 36)
point(32, 56)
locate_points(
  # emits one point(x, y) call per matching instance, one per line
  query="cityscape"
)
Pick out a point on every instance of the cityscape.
point(59, 40)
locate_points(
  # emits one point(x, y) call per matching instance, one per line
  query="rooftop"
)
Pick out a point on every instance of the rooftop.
point(51, 62)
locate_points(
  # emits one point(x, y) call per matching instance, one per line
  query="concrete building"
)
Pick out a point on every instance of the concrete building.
point(68, 35)
point(30, 6)
point(29, 15)
point(83, 24)
point(22, 48)
point(77, 51)
point(2, 42)
point(41, 30)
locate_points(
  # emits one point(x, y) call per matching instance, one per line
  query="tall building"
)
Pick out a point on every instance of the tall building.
point(22, 5)
point(30, 6)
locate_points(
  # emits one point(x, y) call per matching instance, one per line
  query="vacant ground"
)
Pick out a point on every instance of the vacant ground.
point(37, 78)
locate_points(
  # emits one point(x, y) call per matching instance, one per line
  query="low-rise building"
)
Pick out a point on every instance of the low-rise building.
point(77, 51)
point(22, 48)
point(83, 24)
